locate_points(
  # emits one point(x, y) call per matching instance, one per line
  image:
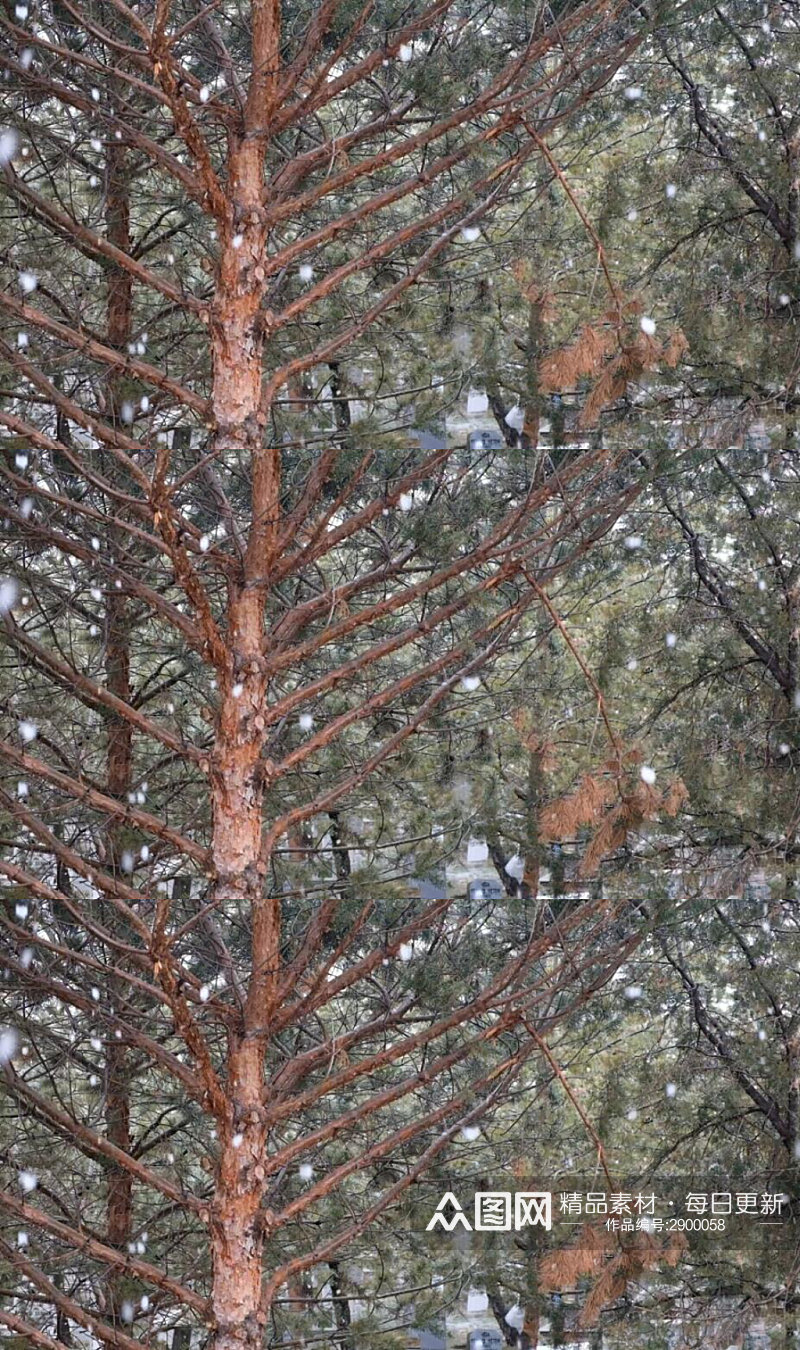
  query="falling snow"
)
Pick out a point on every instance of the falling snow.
point(9, 594)
point(9, 144)
point(9, 1044)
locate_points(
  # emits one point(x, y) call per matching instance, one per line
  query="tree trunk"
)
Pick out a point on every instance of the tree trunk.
point(238, 774)
point(237, 328)
point(238, 1227)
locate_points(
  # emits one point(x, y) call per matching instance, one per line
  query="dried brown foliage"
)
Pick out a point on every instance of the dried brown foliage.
point(533, 291)
point(585, 356)
point(613, 806)
point(614, 357)
point(612, 1263)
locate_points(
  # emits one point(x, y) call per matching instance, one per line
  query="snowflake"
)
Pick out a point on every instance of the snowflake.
point(9, 1044)
point(9, 594)
point(9, 144)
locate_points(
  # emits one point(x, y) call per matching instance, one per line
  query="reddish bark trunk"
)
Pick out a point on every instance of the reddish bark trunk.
point(237, 771)
point(237, 340)
point(237, 1235)
point(238, 323)
point(237, 780)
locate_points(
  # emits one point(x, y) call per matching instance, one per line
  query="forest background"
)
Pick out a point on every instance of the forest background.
point(267, 660)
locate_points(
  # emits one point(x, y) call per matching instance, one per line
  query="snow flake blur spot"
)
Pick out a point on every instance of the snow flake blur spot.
point(633, 541)
point(470, 233)
point(9, 144)
point(28, 281)
point(515, 867)
point(28, 1181)
point(9, 594)
point(470, 683)
point(671, 1090)
point(9, 1044)
point(305, 722)
point(28, 731)
point(470, 1133)
point(406, 52)
point(306, 272)
point(405, 951)
point(647, 774)
point(633, 991)
point(305, 1172)
point(647, 325)
point(633, 93)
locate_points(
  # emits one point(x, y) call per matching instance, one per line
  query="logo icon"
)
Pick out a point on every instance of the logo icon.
point(448, 1200)
point(495, 1211)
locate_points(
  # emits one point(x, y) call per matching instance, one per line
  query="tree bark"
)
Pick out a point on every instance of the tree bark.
point(238, 1226)
point(237, 337)
point(238, 773)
